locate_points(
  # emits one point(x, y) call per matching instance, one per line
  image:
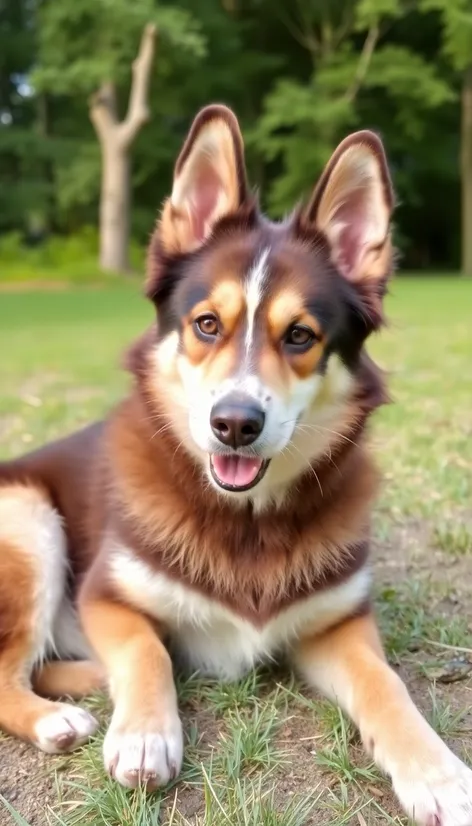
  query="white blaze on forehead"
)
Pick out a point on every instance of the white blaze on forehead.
point(254, 289)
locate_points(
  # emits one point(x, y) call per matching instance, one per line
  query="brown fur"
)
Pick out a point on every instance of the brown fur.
point(14, 622)
point(138, 484)
point(20, 708)
point(119, 478)
point(74, 679)
point(136, 489)
point(252, 564)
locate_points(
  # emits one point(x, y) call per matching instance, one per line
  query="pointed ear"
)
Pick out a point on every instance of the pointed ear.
point(209, 181)
point(352, 205)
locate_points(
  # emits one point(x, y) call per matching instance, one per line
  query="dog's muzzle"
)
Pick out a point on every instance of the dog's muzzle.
point(237, 421)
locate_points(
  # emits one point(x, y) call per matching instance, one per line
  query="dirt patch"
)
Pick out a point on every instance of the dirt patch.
point(27, 781)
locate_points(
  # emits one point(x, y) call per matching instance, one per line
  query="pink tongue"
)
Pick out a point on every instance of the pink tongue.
point(237, 471)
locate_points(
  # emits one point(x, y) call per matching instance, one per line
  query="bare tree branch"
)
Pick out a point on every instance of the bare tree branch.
point(346, 25)
point(138, 111)
point(298, 35)
point(308, 35)
point(103, 110)
point(364, 61)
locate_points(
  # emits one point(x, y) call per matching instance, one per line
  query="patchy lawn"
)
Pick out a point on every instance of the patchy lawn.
point(259, 752)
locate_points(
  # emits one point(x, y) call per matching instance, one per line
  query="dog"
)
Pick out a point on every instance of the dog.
point(220, 515)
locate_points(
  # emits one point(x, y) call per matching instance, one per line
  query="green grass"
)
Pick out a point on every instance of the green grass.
point(61, 357)
point(423, 440)
point(443, 718)
point(455, 539)
point(260, 751)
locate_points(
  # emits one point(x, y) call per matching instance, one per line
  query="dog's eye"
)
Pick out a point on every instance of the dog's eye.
point(206, 326)
point(299, 336)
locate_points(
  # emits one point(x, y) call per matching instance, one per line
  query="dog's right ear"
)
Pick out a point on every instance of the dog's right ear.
point(209, 181)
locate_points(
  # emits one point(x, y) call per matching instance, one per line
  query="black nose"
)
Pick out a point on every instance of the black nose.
point(237, 421)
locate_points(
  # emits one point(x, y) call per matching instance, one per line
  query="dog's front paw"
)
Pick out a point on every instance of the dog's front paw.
point(440, 795)
point(149, 754)
point(65, 728)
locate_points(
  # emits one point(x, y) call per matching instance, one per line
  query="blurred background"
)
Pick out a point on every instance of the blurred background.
point(87, 143)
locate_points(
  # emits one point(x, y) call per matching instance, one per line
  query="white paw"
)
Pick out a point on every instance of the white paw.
point(64, 729)
point(438, 796)
point(150, 755)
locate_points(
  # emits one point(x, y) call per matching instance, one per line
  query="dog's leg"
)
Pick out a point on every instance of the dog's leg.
point(348, 665)
point(69, 678)
point(32, 579)
point(144, 741)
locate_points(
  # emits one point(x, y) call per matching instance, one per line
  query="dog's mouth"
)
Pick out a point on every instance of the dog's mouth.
point(237, 473)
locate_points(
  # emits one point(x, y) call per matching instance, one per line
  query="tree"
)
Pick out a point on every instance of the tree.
point(299, 73)
point(348, 45)
point(23, 147)
point(83, 48)
point(456, 18)
point(115, 141)
point(466, 170)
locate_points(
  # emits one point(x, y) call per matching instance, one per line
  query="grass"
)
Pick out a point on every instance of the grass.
point(64, 350)
point(454, 539)
point(261, 751)
point(447, 722)
point(423, 439)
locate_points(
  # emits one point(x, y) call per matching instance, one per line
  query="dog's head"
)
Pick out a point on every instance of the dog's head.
point(261, 326)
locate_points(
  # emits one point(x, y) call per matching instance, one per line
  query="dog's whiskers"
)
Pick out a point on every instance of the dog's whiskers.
point(289, 446)
point(161, 430)
point(318, 428)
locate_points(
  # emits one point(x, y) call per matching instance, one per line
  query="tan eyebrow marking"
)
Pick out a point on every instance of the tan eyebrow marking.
point(228, 301)
point(288, 306)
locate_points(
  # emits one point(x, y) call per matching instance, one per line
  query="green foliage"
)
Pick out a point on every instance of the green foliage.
point(370, 12)
point(82, 44)
point(392, 70)
point(394, 67)
point(456, 18)
point(78, 177)
point(303, 121)
point(300, 76)
point(299, 125)
point(61, 258)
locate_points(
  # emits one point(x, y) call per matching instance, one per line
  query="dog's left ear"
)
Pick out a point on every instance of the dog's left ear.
point(209, 181)
point(352, 205)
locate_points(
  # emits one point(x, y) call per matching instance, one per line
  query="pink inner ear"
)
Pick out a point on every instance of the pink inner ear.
point(353, 235)
point(206, 190)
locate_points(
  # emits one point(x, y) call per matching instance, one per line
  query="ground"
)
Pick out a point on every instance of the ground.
point(260, 752)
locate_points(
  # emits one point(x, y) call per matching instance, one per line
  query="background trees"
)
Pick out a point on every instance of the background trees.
point(300, 74)
point(456, 23)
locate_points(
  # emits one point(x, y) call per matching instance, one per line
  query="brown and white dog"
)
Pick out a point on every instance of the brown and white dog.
point(222, 510)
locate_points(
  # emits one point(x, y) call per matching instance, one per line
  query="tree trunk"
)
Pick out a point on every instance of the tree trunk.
point(466, 172)
point(116, 139)
point(114, 207)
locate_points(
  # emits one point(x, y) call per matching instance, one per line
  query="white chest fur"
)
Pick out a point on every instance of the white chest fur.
point(214, 639)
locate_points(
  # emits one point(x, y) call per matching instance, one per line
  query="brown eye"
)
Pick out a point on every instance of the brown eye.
point(206, 326)
point(299, 336)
